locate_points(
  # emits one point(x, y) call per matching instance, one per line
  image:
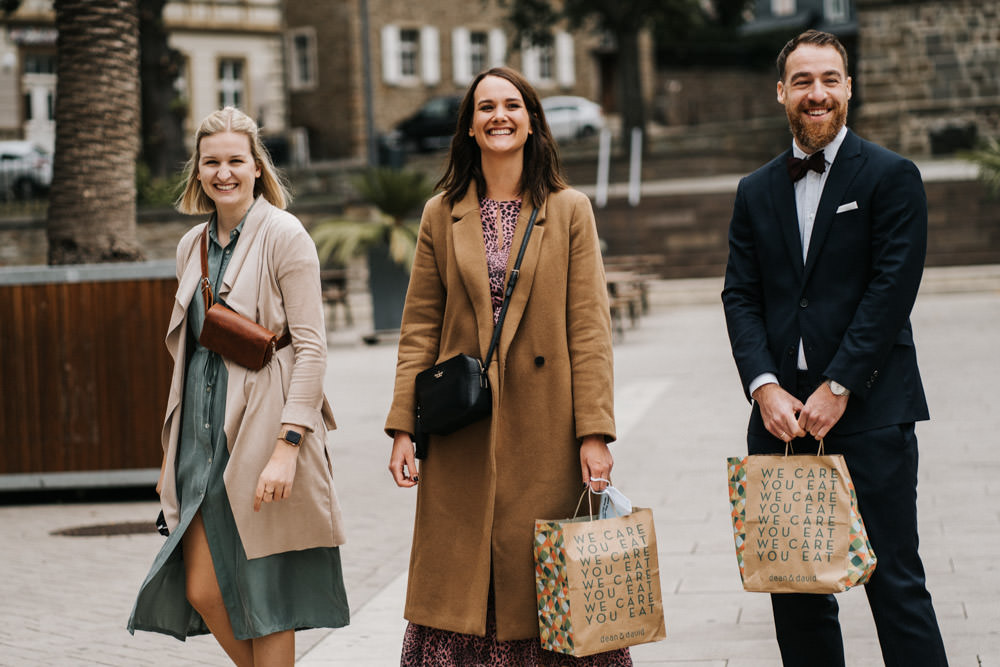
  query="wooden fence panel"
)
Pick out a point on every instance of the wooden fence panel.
point(84, 374)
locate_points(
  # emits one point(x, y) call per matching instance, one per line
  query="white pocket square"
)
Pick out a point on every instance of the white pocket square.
point(847, 207)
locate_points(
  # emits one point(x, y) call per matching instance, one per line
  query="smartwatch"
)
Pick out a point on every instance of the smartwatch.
point(293, 438)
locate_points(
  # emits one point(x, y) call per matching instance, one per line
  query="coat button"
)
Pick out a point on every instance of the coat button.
point(791, 351)
point(804, 303)
point(539, 361)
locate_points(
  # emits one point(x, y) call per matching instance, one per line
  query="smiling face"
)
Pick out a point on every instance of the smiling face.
point(815, 92)
point(227, 171)
point(500, 121)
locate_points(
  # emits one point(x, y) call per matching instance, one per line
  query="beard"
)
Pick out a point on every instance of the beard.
point(812, 136)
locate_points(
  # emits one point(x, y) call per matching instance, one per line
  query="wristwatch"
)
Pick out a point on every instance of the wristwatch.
point(838, 389)
point(293, 438)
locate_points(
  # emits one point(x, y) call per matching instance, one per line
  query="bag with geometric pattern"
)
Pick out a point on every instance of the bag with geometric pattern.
point(796, 524)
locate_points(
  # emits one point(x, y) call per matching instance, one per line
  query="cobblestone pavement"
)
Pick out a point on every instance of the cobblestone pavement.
point(65, 600)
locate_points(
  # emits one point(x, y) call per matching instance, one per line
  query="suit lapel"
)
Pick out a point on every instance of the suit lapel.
point(845, 167)
point(470, 258)
point(783, 204)
point(526, 276)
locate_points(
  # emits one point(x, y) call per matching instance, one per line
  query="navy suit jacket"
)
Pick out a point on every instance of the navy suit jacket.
point(850, 301)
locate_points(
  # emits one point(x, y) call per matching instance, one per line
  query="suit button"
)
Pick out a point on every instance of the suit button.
point(539, 361)
point(804, 303)
point(791, 350)
point(874, 374)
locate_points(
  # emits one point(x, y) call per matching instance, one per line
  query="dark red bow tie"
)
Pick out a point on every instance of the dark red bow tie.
point(797, 167)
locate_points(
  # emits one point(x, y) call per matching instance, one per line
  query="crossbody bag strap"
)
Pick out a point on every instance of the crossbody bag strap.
point(206, 286)
point(515, 272)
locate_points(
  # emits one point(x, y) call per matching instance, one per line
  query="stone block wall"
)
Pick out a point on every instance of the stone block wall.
point(928, 73)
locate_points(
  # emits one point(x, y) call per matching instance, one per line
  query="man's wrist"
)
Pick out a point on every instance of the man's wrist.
point(838, 389)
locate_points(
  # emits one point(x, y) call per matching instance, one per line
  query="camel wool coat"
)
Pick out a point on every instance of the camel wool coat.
point(481, 488)
point(272, 278)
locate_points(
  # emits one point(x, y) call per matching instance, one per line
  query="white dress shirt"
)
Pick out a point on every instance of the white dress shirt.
point(808, 191)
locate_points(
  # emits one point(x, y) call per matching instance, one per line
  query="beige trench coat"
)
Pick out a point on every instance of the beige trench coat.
point(273, 278)
point(481, 488)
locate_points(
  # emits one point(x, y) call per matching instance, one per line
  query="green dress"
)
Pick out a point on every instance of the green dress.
point(290, 590)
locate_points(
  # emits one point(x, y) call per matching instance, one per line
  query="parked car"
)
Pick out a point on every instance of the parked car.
point(431, 127)
point(572, 117)
point(25, 170)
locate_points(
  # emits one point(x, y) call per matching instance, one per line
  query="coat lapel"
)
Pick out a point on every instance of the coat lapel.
point(846, 166)
point(783, 192)
point(470, 258)
point(519, 298)
point(187, 284)
point(251, 227)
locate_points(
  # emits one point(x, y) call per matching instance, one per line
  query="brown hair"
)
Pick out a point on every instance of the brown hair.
point(270, 183)
point(540, 174)
point(814, 37)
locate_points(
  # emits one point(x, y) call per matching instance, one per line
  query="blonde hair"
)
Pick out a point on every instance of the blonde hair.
point(270, 183)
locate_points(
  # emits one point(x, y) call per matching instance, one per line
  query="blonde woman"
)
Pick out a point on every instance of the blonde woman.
point(246, 484)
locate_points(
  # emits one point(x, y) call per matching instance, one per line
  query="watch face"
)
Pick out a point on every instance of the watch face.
point(293, 437)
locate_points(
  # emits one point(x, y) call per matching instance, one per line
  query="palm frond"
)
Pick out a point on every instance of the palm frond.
point(988, 159)
point(343, 240)
point(395, 192)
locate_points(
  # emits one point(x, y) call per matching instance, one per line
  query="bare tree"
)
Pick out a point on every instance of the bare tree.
point(91, 214)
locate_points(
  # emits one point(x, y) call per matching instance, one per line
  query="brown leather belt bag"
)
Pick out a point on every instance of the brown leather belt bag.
point(230, 334)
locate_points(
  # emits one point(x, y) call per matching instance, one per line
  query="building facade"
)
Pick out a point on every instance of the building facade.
point(413, 52)
point(233, 54)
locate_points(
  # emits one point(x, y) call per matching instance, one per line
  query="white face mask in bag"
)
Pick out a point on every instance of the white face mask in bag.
point(613, 502)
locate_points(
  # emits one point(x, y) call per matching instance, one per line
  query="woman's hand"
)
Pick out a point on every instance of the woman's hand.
point(402, 463)
point(595, 461)
point(275, 481)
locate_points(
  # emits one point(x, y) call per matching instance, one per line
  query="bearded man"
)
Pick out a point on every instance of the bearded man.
point(826, 251)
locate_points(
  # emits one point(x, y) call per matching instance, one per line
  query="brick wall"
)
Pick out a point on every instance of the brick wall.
point(929, 73)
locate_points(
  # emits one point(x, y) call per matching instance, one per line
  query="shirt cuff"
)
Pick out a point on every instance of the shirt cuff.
point(761, 380)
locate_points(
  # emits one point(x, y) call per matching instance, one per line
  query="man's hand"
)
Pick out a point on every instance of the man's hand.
point(823, 409)
point(780, 412)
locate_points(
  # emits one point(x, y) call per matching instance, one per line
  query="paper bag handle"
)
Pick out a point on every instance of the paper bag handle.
point(819, 451)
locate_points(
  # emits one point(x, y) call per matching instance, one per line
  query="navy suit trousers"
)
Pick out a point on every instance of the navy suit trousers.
point(883, 467)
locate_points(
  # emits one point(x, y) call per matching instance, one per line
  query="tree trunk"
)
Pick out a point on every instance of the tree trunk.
point(632, 105)
point(162, 130)
point(92, 202)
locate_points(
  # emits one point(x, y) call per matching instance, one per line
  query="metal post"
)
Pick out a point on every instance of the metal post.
point(635, 167)
point(366, 68)
point(603, 167)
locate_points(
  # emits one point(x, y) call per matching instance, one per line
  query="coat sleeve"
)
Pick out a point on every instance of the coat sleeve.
point(420, 331)
point(899, 247)
point(588, 322)
point(296, 271)
point(742, 298)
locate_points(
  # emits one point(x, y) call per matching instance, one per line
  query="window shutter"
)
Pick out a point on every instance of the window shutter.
point(461, 64)
point(529, 61)
point(430, 55)
point(391, 73)
point(565, 66)
point(498, 48)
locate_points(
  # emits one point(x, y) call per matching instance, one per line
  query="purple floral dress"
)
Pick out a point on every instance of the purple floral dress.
point(430, 647)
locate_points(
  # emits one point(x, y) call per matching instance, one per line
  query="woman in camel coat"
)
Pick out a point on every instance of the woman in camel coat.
point(246, 484)
point(471, 592)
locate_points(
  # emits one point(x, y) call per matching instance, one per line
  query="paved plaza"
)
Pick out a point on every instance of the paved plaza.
point(64, 601)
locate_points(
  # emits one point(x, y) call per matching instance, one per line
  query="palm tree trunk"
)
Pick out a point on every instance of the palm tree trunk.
point(92, 202)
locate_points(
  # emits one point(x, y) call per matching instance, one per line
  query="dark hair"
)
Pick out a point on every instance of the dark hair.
point(814, 37)
point(540, 174)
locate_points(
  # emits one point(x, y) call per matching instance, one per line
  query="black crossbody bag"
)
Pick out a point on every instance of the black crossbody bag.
point(456, 392)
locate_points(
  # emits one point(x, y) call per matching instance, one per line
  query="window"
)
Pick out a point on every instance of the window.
point(409, 41)
point(551, 64)
point(478, 51)
point(39, 63)
point(783, 7)
point(302, 58)
point(232, 90)
point(836, 10)
point(410, 55)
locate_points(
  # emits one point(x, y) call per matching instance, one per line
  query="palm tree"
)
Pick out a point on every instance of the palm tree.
point(987, 156)
point(91, 214)
point(395, 193)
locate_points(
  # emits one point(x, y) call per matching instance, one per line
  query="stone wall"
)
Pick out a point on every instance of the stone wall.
point(929, 73)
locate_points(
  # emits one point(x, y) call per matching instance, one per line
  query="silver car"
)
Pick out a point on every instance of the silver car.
point(25, 170)
point(571, 117)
